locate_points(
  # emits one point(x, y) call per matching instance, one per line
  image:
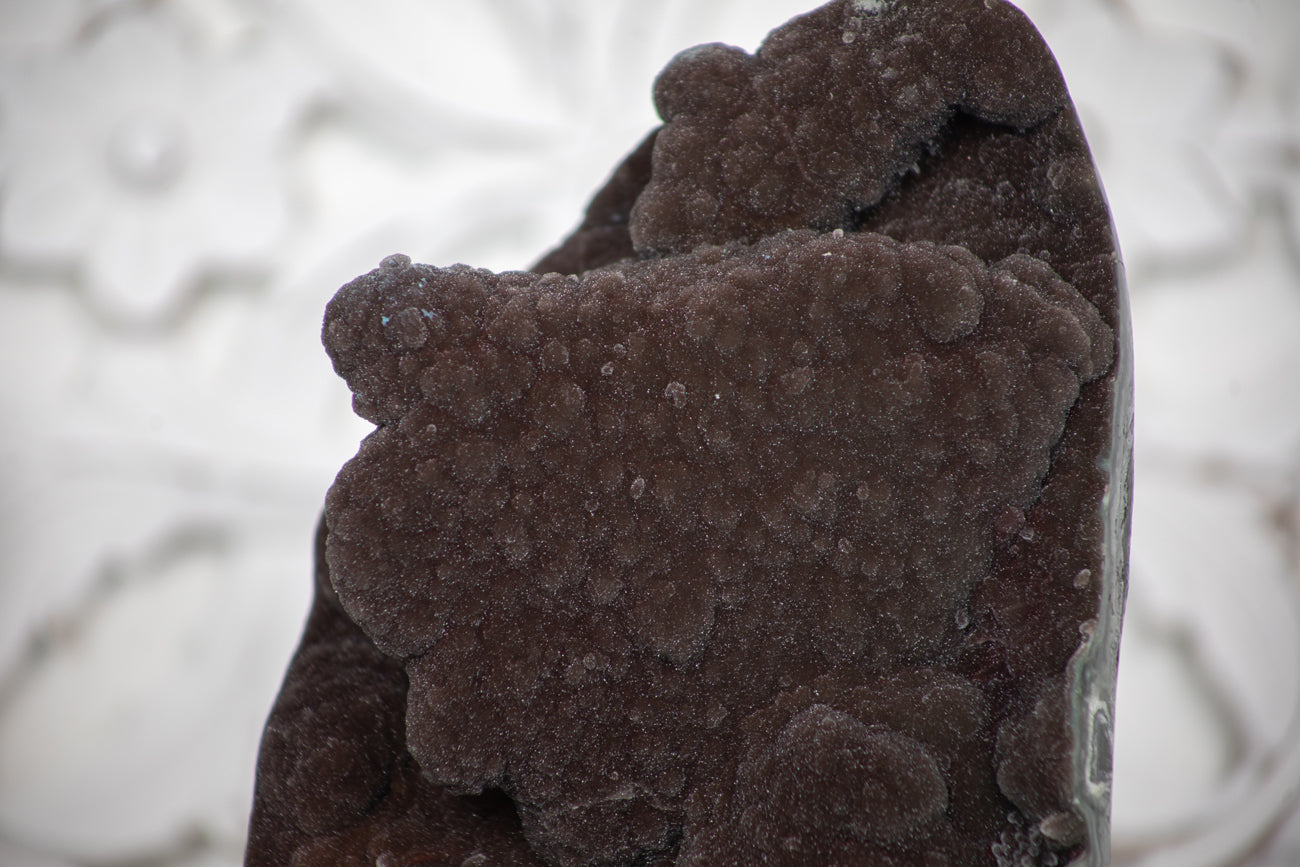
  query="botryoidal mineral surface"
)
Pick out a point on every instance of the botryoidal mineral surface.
point(778, 516)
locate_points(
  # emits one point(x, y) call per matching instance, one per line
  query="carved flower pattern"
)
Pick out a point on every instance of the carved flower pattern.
point(146, 160)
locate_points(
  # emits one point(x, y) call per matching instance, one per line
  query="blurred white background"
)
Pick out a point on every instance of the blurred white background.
point(183, 185)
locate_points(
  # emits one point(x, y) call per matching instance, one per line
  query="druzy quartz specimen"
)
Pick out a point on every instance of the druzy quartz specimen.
point(778, 516)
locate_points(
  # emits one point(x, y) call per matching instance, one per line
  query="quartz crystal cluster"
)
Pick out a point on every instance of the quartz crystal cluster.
point(776, 517)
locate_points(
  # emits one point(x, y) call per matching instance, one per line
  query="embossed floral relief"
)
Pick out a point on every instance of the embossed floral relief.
point(143, 159)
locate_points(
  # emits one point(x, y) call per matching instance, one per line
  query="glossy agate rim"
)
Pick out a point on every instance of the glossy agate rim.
point(1092, 672)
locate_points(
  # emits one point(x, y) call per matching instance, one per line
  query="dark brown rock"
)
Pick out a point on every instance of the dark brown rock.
point(755, 535)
